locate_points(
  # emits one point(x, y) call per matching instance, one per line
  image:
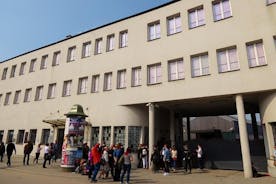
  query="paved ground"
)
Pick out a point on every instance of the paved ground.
point(35, 174)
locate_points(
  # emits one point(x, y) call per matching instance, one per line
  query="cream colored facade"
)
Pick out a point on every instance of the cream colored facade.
point(155, 106)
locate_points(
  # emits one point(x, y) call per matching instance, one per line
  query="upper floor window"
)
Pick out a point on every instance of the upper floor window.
point(38, 93)
point(121, 79)
point(95, 83)
point(154, 31)
point(154, 73)
point(22, 68)
point(136, 76)
point(13, 69)
point(98, 46)
point(86, 49)
point(110, 42)
point(67, 88)
point(56, 58)
point(51, 91)
point(16, 97)
point(107, 81)
point(174, 24)
point(27, 96)
point(123, 39)
point(176, 69)
point(43, 64)
point(196, 17)
point(200, 65)
point(270, 2)
point(227, 59)
point(7, 98)
point(221, 9)
point(4, 74)
point(71, 56)
point(32, 65)
point(82, 87)
point(255, 54)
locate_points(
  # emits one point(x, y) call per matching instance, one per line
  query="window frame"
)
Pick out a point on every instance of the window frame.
point(178, 73)
point(136, 78)
point(123, 39)
point(256, 54)
point(95, 86)
point(107, 81)
point(39, 93)
point(86, 49)
point(98, 46)
point(56, 58)
point(71, 54)
point(156, 77)
point(16, 97)
point(13, 70)
point(51, 91)
point(7, 98)
point(32, 65)
point(83, 85)
point(175, 28)
point(43, 64)
point(22, 68)
point(27, 95)
point(228, 62)
point(4, 73)
point(196, 11)
point(121, 79)
point(201, 68)
point(222, 13)
point(67, 89)
point(156, 26)
point(110, 42)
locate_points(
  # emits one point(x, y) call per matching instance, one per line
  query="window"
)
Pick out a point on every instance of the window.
point(123, 39)
point(107, 135)
point(45, 136)
point(26, 137)
point(43, 64)
point(121, 79)
point(221, 9)
point(227, 60)
point(196, 17)
point(27, 97)
point(67, 88)
point(95, 135)
point(22, 68)
point(110, 42)
point(174, 24)
point(86, 49)
point(255, 54)
point(1, 135)
point(13, 71)
point(107, 81)
point(176, 69)
point(270, 2)
point(98, 46)
point(95, 83)
point(38, 93)
point(71, 56)
point(56, 58)
point(136, 76)
point(1, 98)
point(134, 135)
point(10, 136)
point(200, 65)
point(32, 65)
point(4, 74)
point(51, 91)
point(7, 98)
point(82, 88)
point(154, 74)
point(20, 137)
point(119, 135)
point(17, 97)
point(154, 31)
point(32, 136)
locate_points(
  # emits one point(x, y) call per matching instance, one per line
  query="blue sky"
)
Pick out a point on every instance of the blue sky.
point(30, 24)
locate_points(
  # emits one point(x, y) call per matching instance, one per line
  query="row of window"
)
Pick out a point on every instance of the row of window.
point(227, 60)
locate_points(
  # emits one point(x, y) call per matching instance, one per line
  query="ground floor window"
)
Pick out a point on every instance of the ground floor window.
point(32, 136)
point(10, 136)
point(107, 135)
point(134, 135)
point(119, 135)
point(45, 136)
point(1, 135)
point(95, 135)
point(20, 137)
point(273, 126)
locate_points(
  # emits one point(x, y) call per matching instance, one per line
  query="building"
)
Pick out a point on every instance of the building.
point(137, 78)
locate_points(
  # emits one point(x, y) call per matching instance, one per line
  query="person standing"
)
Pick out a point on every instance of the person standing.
point(2, 151)
point(166, 160)
point(187, 158)
point(118, 152)
point(96, 159)
point(200, 156)
point(37, 153)
point(28, 148)
point(10, 149)
point(174, 157)
point(127, 159)
point(145, 157)
point(47, 155)
point(155, 156)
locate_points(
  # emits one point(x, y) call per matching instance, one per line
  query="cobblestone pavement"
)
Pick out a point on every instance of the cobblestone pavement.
point(53, 174)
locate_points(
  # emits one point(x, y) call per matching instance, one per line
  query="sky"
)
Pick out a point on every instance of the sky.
point(29, 24)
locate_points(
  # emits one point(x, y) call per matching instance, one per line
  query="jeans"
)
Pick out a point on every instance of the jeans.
point(125, 169)
point(95, 171)
point(28, 158)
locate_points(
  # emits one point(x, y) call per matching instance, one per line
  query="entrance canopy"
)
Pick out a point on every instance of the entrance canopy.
point(55, 120)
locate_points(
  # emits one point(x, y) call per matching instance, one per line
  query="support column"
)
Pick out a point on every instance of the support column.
point(172, 127)
point(151, 129)
point(188, 129)
point(126, 137)
point(246, 159)
point(142, 136)
point(254, 126)
point(100, 134)
point(112, 136)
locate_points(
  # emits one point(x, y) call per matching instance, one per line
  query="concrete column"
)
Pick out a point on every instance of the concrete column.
point(142, 136)
point(246, 159)
point(126, 137)
point(112, 136)
point(151, 129)
point(100, 134)
point(254, 126)
point(172, 127)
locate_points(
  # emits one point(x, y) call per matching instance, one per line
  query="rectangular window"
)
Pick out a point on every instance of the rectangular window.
point(95, 135)
point(51, 91)
point(196, 17)
point(45, 136)
point(123, 39)
point(82, 87)
point(154, 31)
point(32, 65)
point(13, 69)
point(10, 136)
point(119, 135)
point(121, 79)
point(95, 83)
point(174, 24)
point(134, 135)
point(17, 97)
point(107, 135)
point(71, 56)
point(107, 81)
point(154, 73)
point(67, 88)
point(255, 54)
point(22, 68)
point(4, 74)
point(27, 97)
point(176, 69)
point(227, 60)
point(56, 58)
point(1, 135)
point(43, 64)
point(7, 98)
point(86, 49)
point(32, 136)
point(20, 137)
point(221, 9)
point(136, 77)
point(200, 65)
point(98, 46)
point(270, 2)
point(38, 93)
point(110, 42)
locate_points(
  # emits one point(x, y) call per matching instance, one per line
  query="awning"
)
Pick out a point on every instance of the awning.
point(55, 119)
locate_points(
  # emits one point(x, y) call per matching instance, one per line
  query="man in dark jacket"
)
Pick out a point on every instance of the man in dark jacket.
point(10, 149)
point(2, 151)
point(28, 148)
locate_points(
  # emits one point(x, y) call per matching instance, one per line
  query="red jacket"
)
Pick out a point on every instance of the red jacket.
point(96, 154)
